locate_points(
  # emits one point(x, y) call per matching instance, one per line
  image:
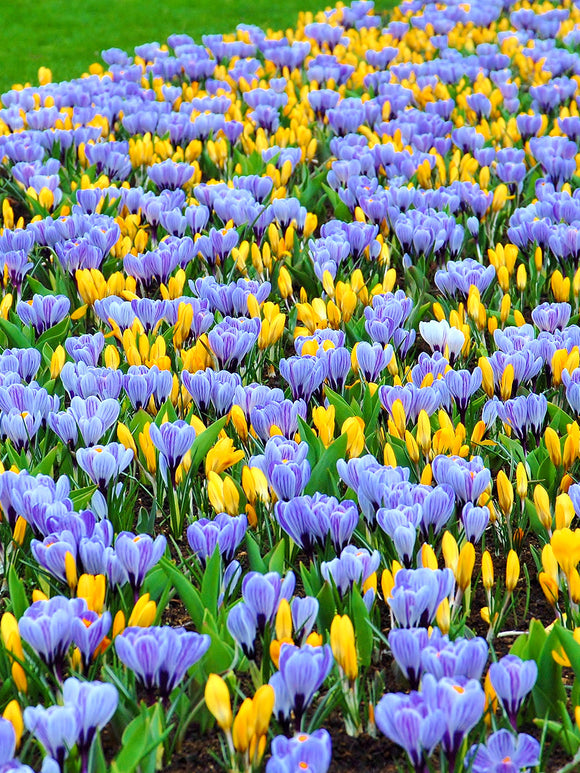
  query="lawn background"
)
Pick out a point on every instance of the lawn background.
point(68, 35)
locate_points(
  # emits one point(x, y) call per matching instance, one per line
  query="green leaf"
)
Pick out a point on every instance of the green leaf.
point(44, 467)
point(204, 441)
point(54, 335)
point(276, 558)
point(324, 478)
point(17, 593)
point(326, 607)
point(558, 418)
point(37, 287)
point(210, 585)
point(14, 334)
point(220, 655)
point(343, 410)
point(82, 496)
point(166, 413)
point(187, 592)
point(362, 627)
point(315, 444)
point(143, 736)
point(257, 563)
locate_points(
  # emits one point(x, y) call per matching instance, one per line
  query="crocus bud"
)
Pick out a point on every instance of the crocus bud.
point(550, 588)
point(552, 442)
point(564, 511)
point(487, 570)
point(465, 564)
point(512, 574)
point(521, 481)
point(505, 493)
point(542, 505)
point(57, 361)
point(343, 645)
point(217, 700)
point(450, 551)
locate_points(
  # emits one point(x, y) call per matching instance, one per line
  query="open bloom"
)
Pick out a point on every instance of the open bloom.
point(160, 656)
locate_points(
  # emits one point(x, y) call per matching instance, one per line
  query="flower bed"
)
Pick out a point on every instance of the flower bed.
point(289, 397)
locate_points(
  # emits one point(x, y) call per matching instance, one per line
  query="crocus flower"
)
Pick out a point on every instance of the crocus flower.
point(104, 463)
point(138, 554)
point(409, 722)
point(461, 701)
point(160, 656)
point(43, 311)
point(302, 670)
point(173, 440)
point(417, 594)
point(55, 727)
point(301, 752)
point(47, 626)
point(504, 753)
point(512, 679)
point(225, 531)
point(94, 704)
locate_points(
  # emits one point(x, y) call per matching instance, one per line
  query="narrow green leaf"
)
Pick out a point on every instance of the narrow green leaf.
point(210, 585)
point(362, 627)
point(17, 594)
point(257, 563)
point(188, 594)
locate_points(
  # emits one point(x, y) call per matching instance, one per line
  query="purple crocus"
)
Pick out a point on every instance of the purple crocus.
point(301, 752)
point(512, 678)
point(406, 645)
point(302, 671)
point(104, 463)
point(55, 727)
point(224, 531)
point(504, 753)
point(94, 704)
point(310, 519)
point(43, 311)
point(304, 375)
point(160, 656)
point(417, 594)
point(285, 466)
point(47, 626)
point(173, 440)
point(461, 701)
point(409, 722)
point(138, 554)
point(462, 385)
point(467, 479)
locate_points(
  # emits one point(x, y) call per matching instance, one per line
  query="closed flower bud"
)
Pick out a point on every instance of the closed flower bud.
point(243, 727)
point(57, 361)
point(443, 616)
point(505, 493)
point(487, 376)
point(521, 277)
point(13, 713)
point(512, 574)
point(487, 570)
point(424, 432)
point(549, 563)
point(263, 706)
point(542, 505)
point(343, 645)
point(550, 588)
point(217, 700)
point(521, 481)
point(450, 551)
point(552, 442)
point(412, 447)
point(125, 437)
point(284, 621)
point(564, 511)
point(428, 557)
point(465, 564)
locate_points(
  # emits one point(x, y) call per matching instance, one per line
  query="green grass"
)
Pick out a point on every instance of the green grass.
point(68, 35)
